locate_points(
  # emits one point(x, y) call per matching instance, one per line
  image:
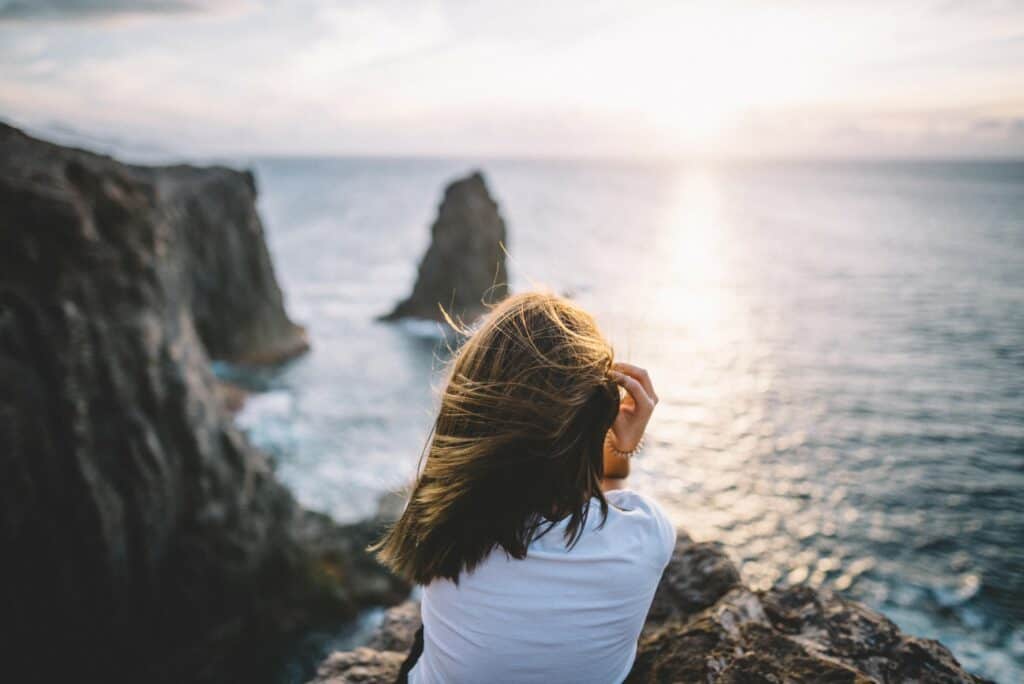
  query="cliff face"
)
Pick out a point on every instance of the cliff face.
point(465, 263)
point(142, 536)
point(223, 269)
point(705, 626)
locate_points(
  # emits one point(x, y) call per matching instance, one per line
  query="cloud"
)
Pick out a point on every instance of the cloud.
point(443, 77)
point(29, 10)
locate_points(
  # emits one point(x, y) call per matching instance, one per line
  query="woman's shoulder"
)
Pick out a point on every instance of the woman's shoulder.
point(644, 510)
point(631, 501)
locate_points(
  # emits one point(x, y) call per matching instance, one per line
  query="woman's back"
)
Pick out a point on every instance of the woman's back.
point(558, 615)
point(537, 419)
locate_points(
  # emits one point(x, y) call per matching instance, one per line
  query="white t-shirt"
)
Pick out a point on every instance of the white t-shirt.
point(556, 616)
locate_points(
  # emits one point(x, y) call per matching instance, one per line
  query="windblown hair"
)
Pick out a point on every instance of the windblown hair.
point(517, 444)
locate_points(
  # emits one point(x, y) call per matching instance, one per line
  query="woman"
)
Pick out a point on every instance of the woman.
point(536, 565)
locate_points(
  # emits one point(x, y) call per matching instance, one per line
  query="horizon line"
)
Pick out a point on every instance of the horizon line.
point(148, 154)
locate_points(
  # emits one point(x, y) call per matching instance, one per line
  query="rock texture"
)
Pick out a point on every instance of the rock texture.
point(363, 666)
point(705, 626)
point(143, 539)
point(464, 267)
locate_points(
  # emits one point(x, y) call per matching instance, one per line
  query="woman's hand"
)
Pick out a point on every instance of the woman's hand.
point(636, 407)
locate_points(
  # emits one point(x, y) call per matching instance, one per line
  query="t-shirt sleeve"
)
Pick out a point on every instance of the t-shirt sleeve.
point(662, 528)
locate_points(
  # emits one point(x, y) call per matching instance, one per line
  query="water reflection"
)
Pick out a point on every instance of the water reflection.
point(840, 388)
point(710, 371)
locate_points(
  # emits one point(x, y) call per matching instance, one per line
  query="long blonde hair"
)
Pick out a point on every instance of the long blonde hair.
point(517, 444)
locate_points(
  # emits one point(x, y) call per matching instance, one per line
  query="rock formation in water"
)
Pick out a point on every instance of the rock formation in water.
point(464, 267)
point(705, 626)
point(143, 538)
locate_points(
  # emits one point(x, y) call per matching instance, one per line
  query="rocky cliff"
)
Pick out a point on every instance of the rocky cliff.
point(143, 538)
point(705, 626)
point(464, 267)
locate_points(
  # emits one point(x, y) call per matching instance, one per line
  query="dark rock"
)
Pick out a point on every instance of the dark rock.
point(224, 267)
point(850, 632)
point(731, 641)
point(791, 634)
point(232, 396)
point(143, 538)
point(398, 628)
point(697, 576)
point(380, 660)
point(464, 267)
point(704, 626)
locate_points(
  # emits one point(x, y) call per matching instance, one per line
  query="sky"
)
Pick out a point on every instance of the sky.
point(527, 78)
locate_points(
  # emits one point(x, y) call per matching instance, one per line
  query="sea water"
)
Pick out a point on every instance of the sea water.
point(838, 348)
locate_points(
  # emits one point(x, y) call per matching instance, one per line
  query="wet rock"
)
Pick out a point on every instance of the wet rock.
point(704, 626)
point(143, 538)
point(464, 267)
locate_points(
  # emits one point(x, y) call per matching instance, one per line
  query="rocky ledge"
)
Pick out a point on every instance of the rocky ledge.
point(705, 626)
point(143, 538)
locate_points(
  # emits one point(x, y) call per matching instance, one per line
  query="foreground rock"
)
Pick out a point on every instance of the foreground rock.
point(143, 538)
point(465, 263)
point(704, 626)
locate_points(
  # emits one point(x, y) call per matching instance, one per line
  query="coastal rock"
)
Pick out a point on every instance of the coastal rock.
point(700, 573)
point(232, 396)
point(398, 628)
point(223, 268)
point(705, 626)
point(380, 660)
point(144, 539)
point(793, 634)
point(361, 666)
point(464, 267)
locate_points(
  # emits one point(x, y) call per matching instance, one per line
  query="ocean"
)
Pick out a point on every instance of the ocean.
point(838, 348)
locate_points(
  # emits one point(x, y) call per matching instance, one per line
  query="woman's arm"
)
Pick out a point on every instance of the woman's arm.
point(628, 429)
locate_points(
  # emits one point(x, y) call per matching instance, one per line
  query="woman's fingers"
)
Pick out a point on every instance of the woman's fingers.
point(635, 389)
point(639, 374)
point(634, 411)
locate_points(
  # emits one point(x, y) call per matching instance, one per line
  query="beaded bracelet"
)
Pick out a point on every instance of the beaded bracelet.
point(625, 454)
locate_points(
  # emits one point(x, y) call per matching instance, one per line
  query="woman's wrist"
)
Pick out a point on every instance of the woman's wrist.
point(615, 466)
point(610, 444)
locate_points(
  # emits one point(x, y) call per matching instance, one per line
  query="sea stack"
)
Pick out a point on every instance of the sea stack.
point(464, 267)
point(143, 538)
